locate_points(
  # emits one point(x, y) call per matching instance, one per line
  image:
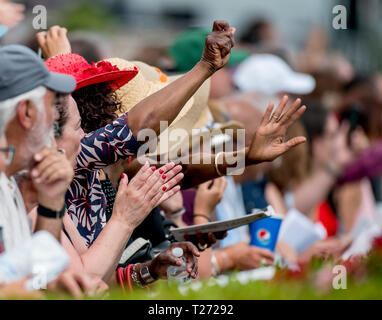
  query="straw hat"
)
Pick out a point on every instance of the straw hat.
point(150, 80)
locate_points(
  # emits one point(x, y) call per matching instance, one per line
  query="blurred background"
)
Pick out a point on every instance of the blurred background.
point(145, 28)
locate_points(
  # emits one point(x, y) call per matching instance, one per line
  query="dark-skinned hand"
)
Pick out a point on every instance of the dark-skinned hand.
point(218, 46)
point(158, 266)
point(205, 240)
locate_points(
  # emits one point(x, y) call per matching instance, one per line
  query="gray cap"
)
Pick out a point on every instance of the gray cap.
point(21, 70)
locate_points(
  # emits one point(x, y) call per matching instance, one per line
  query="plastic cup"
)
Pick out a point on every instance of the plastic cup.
point(264, 232)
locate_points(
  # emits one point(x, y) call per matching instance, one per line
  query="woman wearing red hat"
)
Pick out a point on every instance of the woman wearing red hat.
point(85, 199)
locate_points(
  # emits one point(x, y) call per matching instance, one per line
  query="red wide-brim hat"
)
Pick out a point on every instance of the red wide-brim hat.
point(87, 74)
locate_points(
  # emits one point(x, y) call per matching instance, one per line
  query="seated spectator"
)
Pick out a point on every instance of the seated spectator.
point(133, 202)
point(27, 104)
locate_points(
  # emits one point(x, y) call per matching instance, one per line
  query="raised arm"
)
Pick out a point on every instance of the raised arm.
point(165, 104)
point(267, 144)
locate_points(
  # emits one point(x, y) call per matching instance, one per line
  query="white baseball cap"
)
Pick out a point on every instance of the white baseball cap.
point(269, 74)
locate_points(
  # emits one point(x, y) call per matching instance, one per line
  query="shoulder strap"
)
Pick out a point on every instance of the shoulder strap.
point(134, 247)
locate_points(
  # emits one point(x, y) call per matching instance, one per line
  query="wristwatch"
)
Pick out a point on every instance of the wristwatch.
point(48, 213)
point(146, 276)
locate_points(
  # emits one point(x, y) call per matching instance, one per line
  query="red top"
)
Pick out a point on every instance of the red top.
point(326, 216)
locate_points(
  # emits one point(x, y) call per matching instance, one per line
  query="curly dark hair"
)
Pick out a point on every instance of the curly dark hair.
point(97, 105)
point(62, 109)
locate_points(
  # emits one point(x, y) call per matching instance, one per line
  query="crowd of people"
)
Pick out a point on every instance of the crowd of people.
point(89, 193)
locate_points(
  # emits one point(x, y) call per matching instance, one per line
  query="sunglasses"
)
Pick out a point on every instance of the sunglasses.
point(9, 153)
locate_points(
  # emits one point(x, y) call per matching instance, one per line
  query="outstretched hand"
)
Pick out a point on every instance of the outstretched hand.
point(269, 140)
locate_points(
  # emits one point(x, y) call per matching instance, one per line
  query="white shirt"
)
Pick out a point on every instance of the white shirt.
point(232, 206)
point(14, 221)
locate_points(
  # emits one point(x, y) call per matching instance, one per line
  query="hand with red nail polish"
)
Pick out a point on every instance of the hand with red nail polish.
point(148, 188)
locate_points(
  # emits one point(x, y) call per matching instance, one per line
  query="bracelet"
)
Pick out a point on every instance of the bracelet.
point(120, 278)
point(225, 260)
point(51, 214)
point(216, 163)
point(134, 276)
point(128, 277)
point(202, 215)
point(177, 213)
point(215, 266)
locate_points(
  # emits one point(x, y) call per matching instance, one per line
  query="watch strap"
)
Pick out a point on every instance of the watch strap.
point(146, 276)
point(49, 213)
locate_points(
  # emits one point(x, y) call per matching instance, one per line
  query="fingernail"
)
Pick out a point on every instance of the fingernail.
point(129, 159)
point(164, 176)
point(161, 171)
point(153, 169)
point(164, 188)
point(122, 176)
point(34, 173)
point(37, 157)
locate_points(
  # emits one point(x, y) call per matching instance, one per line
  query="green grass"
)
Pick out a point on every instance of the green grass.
point(262, 290)
point(363, 281)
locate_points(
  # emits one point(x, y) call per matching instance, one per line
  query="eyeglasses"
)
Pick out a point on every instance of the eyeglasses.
point(9, 153)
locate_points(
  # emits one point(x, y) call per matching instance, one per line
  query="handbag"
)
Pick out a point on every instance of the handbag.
point(142, 250)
